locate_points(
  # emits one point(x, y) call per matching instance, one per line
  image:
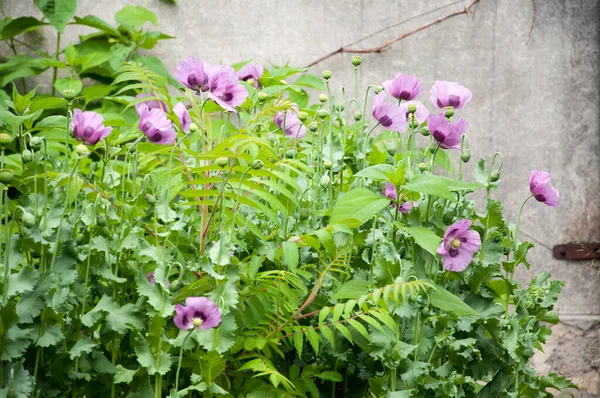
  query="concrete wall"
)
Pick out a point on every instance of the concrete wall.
point(535, 99)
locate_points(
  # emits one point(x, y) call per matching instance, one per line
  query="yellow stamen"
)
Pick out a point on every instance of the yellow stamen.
point(455, 243)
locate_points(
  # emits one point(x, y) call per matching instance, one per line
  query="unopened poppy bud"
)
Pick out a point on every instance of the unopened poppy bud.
point(222, 161)
point(193, 127)
point(448, 218)
point(412, 108)
point(79, 239)
point(291, 153)
point(495, 176)
point(449, 112)
point(431, 148)
point(356, 61)
point(357, 116)
point(391, 149)
point(322, 114)
point(4, 139)
point(326, 74)
point(323, 98)
point(69, 94)
point(28, 219)
point(27, 156)
point(327, 164)
point(414, 123)
point(82, 150)
point(313, 127)
point(35, 143)
point(6, 176)
point(378, 89)
point(422, 166)
point(302, 116)
point(262, 96)
point(340, 108)
point(425, 131)
point(257, 164)
point(304, 214)
point(465, 156)
point(324, 181)
point(272, 138)
point(150, 199)
point(101, 220)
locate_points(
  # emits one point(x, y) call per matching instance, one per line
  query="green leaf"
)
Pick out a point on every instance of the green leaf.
point(135, 16)
point(446, 301)
point(424, 237)
point(219, 339)
point(58, 12)
point(19, 385)
point(290, 255)
point(52, 336)
point(154, 294)
point(24, 281)
point(311, 81)
point(352, 289)
point(95, 22)
point(124, 375)
point(20, 25)
point(84, 344)
point(330, 375)
point(125, 318)
point(72, 85)
point(520, 257)
point(357, 207)
point(147, 359)
point(431, 185)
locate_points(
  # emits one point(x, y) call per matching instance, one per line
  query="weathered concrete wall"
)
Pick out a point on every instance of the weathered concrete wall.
point(535, 99)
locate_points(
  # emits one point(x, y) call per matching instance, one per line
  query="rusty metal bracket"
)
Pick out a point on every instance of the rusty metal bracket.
point(577, 251)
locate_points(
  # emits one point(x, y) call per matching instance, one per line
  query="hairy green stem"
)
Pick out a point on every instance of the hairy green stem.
point(181, 358)
point(55, 71)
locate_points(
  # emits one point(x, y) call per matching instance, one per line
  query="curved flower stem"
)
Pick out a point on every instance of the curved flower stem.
point(516, 236)
point(432, 167)
point(180, 359)
point(366, 145)
point(487, 200)
point(396, 210)
point(169, 175)
point(237, 198)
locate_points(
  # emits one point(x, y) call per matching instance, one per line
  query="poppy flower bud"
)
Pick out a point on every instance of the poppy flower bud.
point(414, 123)
point(313, 127)
point(378, 89)
point(357, 116)
point(304, 215)
point(150, 199)
point(272, 138)
point(302, 116)
point(193, 127)
point(495, 176)
point(324, 181)
point(69, 94)
point(425, 131)
point(35, 143)
point(27, 156)
point(82, 150)
point(101, 220)
point(356, 61)
point(327, 164)
point(28, 219)
point(326, 74)
point(465, 156)
point(323, 98)
point(431, 148)
point(262, 96)
point(412, 108)
point(222, 161)
point(4, 139)
point(79, 239)
point(449, 112)
point(322, 114)
point(257, 164)
point(391, 149)
point(422, 166)
point(291, 153)
point(6, 176)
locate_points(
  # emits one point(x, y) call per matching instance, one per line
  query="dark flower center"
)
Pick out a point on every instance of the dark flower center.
point(453, 252)
point(156, 137)
point(226, 97)
point(386, 121)
point(199, 315)
point(184, 320)
point(405, 95)
point(540, 197)
point(453, 100)
point(146, 126)
point(88, 131)
point(439, 135)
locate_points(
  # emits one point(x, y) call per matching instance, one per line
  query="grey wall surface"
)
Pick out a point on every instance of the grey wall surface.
point(535, 100)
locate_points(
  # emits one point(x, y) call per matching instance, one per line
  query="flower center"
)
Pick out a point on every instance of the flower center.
point(385, 121)
point(197, 322)
point(439, 136)
point(453, 252)
point(405, 95)
point(156, 137)
point(455, 243)
point(192, 80)
point(453, 100)
point(146, 126)
point(540, 197)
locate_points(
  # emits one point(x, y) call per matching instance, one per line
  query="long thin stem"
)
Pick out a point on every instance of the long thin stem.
point(180, 359)
point(66, 167)
point(54, 73)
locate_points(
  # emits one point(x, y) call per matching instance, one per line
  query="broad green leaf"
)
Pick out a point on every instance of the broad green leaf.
point(378, 172)
point(330, 375)
point(431, 185)
point(446, 301)
point(124, 375)
point(52, 335)
point(135, 16)
point(19, 384)
point(68, 86)
point(357, 207)
point(352, 289)
point(219, 339)
point(147, 359)
point(290, 255)
point(154, 295)
point(18, 26)
point(311, 81)
point(84, 344)
point(95, 22)
point(424, 237)
point(58, 12)
point(22, 282)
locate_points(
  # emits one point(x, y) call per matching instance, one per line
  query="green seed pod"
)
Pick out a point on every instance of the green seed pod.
point(101, 220)
point(69, 94)
point(272, 138)
point(449, 112)
point(302, 116)
point(291, 153)
point(326, 74)
point(257, 164)
point(431, 148)
point(378, 89)
point(82, 150)
point(465, 156)
point(222, 161)
point(422, 166)
point(79, 239)
point(324, 181)
point(313, 127)
point(35, 143)
point(391, 149)
point(27, 156)
point(322, 114)
point(262, 96)
point(412, 108)
point(357, 116)
point(150, 199)
point(6, 176)
point(414, 124)
point(356, 61)
point(425, 131)
point(327, 164)
point(4, 139)
point(495, 176)
point(28, 219)
point(193, 127)
point(241, 233)
point(323, 98)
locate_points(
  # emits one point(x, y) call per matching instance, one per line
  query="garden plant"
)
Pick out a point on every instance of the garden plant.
point(214, 231)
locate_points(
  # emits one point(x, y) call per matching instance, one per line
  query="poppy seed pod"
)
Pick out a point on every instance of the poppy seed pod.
point(291, 153)
point(356, 61)
point(302, 116)
point(6, 176)
point(82, 150)
point(313, 127)
point(272, 138)
point(449, 113)
point(193, 127)
point(323, 98)
point(327, 164)
point(28, 219)
point(357, 116)
point(257, 164)
point(150, 199)
point(35, 143)
point(222, 161)
point(425, 131)
point(422, 166)
point(5, 139)
point(27, 156)
point(322, 114)
point(326, 74)
point(262, 96)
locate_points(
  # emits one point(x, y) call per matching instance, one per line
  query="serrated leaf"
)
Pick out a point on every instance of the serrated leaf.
point(290, 255)
point(135, 16)
point(146, 358)
point(219, 339)
point(84, 344)
point(330, 375)
point(124, 375)
point(22, 282)
point(52, 335)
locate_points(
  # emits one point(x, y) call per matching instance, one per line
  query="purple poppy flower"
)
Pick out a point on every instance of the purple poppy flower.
point(541, 191)
point(290, 124)
point(403, 87)
point(446, 133)
point(449, 94)
point(251, 71)
point(201, 308)
point(421, 113)
point(183, 115)
point(88, 127)
point(157, 127)
point(225, 88)
point(390, 192)
point(389, 115)
point(458, 246)
point(193, 73)
point(150, 104)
